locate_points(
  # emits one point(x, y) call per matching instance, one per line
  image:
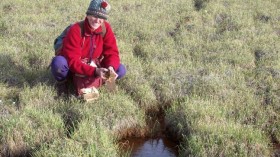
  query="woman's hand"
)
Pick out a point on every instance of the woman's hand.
point(112, 73)
point(102, 72)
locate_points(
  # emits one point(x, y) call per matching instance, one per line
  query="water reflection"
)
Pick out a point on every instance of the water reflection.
point(160, 147)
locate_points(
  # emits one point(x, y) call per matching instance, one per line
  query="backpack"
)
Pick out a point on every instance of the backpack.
point(58, 42)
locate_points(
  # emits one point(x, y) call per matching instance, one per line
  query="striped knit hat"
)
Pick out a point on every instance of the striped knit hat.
point(99, 8)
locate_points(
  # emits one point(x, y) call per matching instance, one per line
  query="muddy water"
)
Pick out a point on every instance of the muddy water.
point(277, 150)
point(153, 147)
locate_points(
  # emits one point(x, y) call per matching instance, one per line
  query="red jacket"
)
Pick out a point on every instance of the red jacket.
point(77, 47)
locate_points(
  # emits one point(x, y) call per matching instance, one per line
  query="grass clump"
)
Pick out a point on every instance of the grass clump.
point(212, 133)
point(22, 133)
point(89, 138)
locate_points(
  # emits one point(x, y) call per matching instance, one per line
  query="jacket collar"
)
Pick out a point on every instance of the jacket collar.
point(89, 31)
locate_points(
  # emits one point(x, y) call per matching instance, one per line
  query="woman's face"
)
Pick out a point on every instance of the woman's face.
point(94, 22)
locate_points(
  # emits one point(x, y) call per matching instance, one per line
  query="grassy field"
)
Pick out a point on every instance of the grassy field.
point(213, 65)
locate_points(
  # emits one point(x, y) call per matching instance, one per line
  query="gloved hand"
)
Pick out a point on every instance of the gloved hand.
point(112, 73)
point(102, 72)
point(111, 78)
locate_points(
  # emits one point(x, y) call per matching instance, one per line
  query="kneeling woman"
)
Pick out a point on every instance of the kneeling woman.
point(89, 56)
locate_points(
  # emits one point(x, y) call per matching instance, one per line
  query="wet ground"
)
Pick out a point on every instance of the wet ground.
point(277, 150)
point(153, 147)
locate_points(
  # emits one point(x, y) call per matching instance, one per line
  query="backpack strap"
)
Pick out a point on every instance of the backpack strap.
point(103, 30)
point(82, 28)
point(81, 24)
point(103, 27)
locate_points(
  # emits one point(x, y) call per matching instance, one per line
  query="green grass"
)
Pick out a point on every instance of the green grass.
point(213, 64)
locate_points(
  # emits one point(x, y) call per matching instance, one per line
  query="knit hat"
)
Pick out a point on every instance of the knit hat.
point(99, 8)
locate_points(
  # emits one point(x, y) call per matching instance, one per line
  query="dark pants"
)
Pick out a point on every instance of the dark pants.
point(60, 69)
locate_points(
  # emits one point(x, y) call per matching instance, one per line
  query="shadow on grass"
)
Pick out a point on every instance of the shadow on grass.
point(3, 28)
point(19, 151)
point(266, 79)
point(71, 119)
point(200, 4)
point(265, 87)
point(262, 17)
point(139, 52)
point(16, 75)
point(224, 22)
point(276, 145)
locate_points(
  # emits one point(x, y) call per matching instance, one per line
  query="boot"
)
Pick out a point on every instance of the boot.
point(62, 88)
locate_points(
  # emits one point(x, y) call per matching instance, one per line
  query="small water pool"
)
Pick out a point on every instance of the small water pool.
point(153, 147)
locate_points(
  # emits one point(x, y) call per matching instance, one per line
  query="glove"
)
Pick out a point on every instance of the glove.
point(102, 72)
point(112, 74)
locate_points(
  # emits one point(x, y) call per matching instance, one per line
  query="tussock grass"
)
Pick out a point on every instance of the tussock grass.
point(17, 137)
point(213, 64)
point(210, 129)
point(89, 138)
